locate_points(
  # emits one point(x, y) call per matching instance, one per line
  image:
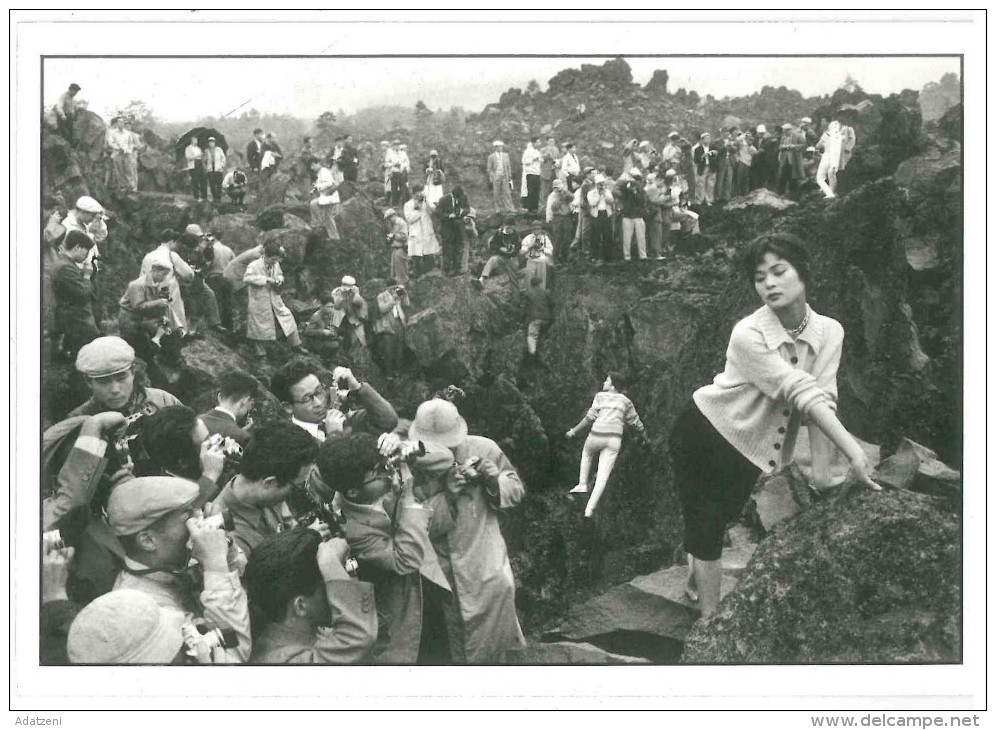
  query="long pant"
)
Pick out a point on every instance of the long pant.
point(387, 183)
point(236, 193)
point(563, 229)
point(452, 240)
point(119, 170)
point(688, 219)
point(349, 173)
point(465, 254)
point(631, 227)
point(654, 232)
point(827, 173)
point(541, 268)
point(546, 187)
point(323, 216)
point(787, 184)
point(724, 180)
point(202, 303)
point(132, 169)
point(214, 182)
point(534, 330)
point(532, 199)
point(741, 178)
point(399, 189)
point(389, 347)
point(605, 449)
point(705, 187)
point(502, 195)
point(65, 127)
point(601, 235)
point(198, 183)
point(399, 265)
point(222, 289)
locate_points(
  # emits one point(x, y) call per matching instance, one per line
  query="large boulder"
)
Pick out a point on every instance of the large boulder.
point(274, 192)
point(872, 578)
point(235, 230)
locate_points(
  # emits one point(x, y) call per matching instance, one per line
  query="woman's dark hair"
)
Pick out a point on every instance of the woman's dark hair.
point(280, 568)
point(619, 380)
point(278, 450)
point(166, 440)
point(344, 461)
point(784, 245)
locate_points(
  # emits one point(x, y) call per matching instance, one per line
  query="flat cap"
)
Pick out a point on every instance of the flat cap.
point(104, 356)
point(806, 120)
point(498, 143)
point(599, 178)
point(644, 143)
point(88, 205)
point(787, 125)
point(348, 280)
point(673, 135)
point(670, 172)
point(137, 503)
point(389, 212)
point(194, 229)
point(761, 129)
point(635, 172)
point(433, 153)
point(125, 627)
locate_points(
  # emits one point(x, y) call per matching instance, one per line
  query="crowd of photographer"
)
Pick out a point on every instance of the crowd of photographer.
point(333, 533)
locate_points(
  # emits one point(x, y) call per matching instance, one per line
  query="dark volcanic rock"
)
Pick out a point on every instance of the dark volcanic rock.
point(870, 578)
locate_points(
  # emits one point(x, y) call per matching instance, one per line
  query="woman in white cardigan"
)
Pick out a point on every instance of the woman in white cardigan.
point(781, 370)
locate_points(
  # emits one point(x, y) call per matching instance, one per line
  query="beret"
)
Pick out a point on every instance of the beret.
point(104, 356)
point(137, 503)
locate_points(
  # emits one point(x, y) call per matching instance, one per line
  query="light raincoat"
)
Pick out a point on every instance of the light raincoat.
point(265, 303)
point(422, 239)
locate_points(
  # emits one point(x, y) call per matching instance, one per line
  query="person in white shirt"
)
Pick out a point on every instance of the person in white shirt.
point(65, 112)
point(500, 176)
point(600, 208)
point(234, 185)
point(324, 206)
point(532, 158)
point(195, 168)
point(137, 145)
point(830, 144)
point(570, 167)
point(214, 165)
point(120, 145)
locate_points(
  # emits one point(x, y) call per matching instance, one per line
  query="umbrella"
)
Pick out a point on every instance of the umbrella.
point(202, 134)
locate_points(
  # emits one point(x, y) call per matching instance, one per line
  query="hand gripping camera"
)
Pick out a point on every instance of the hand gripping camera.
point(231, 448)
point(200, 638)
point(308, 503)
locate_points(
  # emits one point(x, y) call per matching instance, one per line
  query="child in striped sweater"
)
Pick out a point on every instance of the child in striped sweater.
point(610, 411)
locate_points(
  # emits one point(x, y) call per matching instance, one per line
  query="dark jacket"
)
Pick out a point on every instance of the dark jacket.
point(254, 154)
point(539, 304)
point(632, 199)
point(366, 410)
point(73, 296)
point(220, 422)
point(703, 157)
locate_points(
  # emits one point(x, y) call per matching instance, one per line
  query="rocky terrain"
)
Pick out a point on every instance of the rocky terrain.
point(887, 265)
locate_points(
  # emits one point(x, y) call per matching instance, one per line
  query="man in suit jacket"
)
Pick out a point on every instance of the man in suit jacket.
point(500, 175)
point(237, 391)
point(254, 150)
point(73, 294)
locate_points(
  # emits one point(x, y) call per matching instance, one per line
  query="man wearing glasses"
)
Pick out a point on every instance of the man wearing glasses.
point(347, 406)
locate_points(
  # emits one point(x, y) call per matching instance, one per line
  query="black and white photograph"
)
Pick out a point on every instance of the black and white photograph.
point(629, 360)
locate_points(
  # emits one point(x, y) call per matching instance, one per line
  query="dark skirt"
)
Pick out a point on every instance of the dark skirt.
point(713, 480)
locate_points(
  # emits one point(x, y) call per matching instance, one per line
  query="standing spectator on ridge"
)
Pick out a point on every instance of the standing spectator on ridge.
point(450, 211)
point(120, 144)
point(727, 159)
point(831, 145)
point(350, 161)
point(423, 246)
point(532, 160)
point(570, 167)
point(218, 256)
point(601, 207)
point(500, 176)
point(548, 168)
point(633, 206)
point(790, 153)
point(405, 165)
point(765, 163)
point(806, 127)
point(579, 205)
point(137, 145)
point(266, 308)
point(195, 169)
point(271, 157)
point(629, 155)
point(214, 166)
point(671, 154)
point(386, 166)
point(744, 160)
point(652, 217)
point(323, 207)
point(254, 150)
point(73, 294)
point(704, 158)
point(848, 140)
point(65, 112)
point(434, 178)
point(397, 237)
point(560, 219)
point(237, 391)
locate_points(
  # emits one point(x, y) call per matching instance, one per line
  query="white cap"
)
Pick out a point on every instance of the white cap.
point(348, 280)
point(89, 205)
point(673, 135)
point(670, 172)
point(635, 172)
point(806, 120)
point(433, 152)
point(599, 178)
point(787, 125)
point(644, 143)
point(498, 143)
point(761, 129)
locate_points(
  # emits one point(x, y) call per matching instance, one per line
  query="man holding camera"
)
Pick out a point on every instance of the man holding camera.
point(311, 611)
point(308, 403)
point(397, 237)
point(387, 532)
point(389, 327)
point(195, 253)
point(276, 463)
point(107, 365)
point(451, 210)
point(601, 207)
point(500, 175)
point(633, 206)
point(349, 310)
point(165, 255)
point(155, 520)
point(423, 246)
point(266, 310)
point(74, 318)
point(481, 483)
point(237, 391)
point(326, 201)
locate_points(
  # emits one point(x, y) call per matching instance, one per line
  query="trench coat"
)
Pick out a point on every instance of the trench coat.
point(474, 559)
point(422, 239)
point(265, 304)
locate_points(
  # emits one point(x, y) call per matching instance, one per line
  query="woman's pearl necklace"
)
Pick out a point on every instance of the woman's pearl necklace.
point(794, 333)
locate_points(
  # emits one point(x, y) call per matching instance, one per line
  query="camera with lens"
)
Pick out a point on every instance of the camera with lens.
point(407, 452)
point(52, 540)
point(201, 637)
point(309, 505)
point(228, 446)
point(220, 521)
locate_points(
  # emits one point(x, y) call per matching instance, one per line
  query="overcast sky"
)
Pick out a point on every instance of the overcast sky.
point(182, 88)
